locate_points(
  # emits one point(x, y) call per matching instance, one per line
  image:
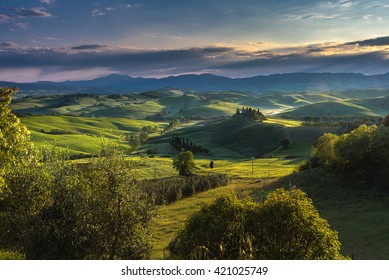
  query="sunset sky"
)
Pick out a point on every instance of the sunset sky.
point(60, 40)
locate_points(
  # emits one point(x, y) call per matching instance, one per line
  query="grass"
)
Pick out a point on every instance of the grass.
point(331, 108)
point(358, 212)
point(85, 132)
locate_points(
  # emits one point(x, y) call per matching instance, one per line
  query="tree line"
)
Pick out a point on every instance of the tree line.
point(186, 144)
point(363, 153)
point(251, 113)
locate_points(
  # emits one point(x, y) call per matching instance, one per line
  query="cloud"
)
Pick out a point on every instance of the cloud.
point(381, 41)
point(88, 47)
point(11, 45)
point(4, 18)
point(367, 57)
point(22, 25)
point(48, 2)
point(32, 12)
point(97, 12)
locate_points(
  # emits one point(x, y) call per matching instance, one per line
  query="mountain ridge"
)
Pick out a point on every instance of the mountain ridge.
point(207, 82)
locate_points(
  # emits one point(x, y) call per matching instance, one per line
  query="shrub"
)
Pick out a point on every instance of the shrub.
point(286, 226)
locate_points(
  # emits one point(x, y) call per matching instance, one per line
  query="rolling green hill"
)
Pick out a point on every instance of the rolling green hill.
point(81, 134)
point(247, 136)
point(330, 109)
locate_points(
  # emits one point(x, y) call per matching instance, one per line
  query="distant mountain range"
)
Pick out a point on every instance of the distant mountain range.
point(300, 82)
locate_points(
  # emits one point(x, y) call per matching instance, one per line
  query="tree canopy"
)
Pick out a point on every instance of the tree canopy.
point(285, 226)
point(184, 163)
point(51, 208)
point(14, 137)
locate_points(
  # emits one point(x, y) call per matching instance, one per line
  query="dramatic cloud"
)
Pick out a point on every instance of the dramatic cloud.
point(58, 63)
point(32, 12)
point(157, 38)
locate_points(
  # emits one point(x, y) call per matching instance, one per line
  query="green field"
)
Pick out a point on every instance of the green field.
point(83, 133)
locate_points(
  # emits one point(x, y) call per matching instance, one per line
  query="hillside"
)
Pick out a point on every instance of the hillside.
point(81, 135)
point(247, 136)
point(331, 109)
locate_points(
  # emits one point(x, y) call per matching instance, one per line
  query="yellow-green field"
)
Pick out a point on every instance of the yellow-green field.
point(84, 133)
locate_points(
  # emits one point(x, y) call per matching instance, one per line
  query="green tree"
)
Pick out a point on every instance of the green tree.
point(289, 227)
point(286, 226)
point(353, 150)
point(143, 136)
point(134, 142)
point(184, 163)
point(217, 231)
point(385, 121)
point(286, 143)
point(53, 210)
point(14, 137)
point(325, 149)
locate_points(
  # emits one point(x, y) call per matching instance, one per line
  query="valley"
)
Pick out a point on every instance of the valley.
point(249, 151)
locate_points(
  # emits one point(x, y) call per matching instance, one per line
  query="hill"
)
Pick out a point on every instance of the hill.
point(81, 135)
point(247, 136)
point(319, 82)
point(330, 109)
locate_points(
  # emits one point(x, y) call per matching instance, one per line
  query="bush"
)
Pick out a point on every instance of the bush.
point(286, 226)
point(51, 209)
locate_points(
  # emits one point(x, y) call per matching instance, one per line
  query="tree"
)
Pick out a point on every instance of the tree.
point(184, 163)
point(385, 121)
point(286, 143)
point(53, 210)
point(289, 227)
point(143, 136)
point(134, 142)
point(216, 231)
point(285, 226)
point(14, 137)
point(325, 149)
point(353, 150)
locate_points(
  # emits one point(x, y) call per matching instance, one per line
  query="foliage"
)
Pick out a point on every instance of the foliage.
point(52, 209)
point(14, 137)
point(174, 123)
point(134, 142)
point(150, 129)
point(184, 163)
point(250, 113)
point(363, 153)
point(289, 227)
point(286, 143)
point(165, 191)
point(181, 143)
point(143, 136)
point(286, 226)
point(217, 231)
point(385, 121)
point(353, 149)
point(4, 255)
point(324, 149)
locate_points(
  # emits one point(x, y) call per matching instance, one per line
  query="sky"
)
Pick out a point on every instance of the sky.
point(58, 40)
